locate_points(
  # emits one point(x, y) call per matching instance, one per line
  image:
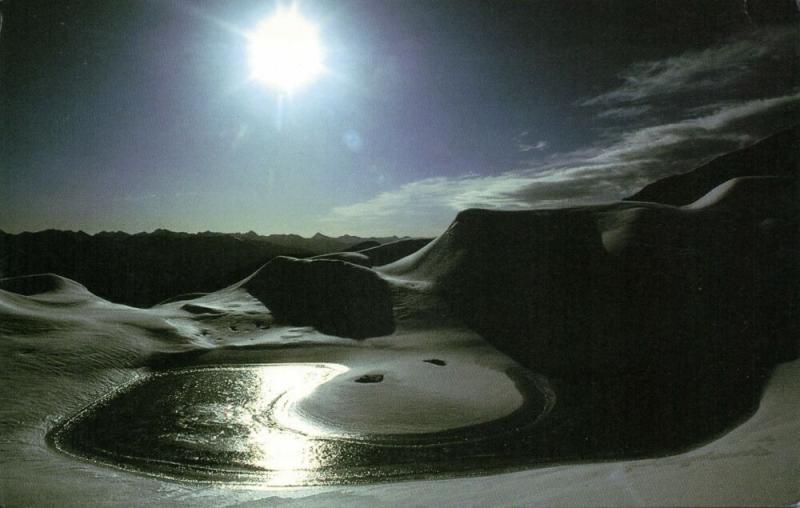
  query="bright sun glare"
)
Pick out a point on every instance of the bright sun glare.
point(285, 51)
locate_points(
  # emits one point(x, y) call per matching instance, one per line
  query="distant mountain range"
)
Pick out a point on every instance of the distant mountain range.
point(143, 269)
point(317, 244)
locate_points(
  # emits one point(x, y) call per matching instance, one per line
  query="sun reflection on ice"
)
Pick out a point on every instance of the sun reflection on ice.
point(251, 424)
point(289, 455)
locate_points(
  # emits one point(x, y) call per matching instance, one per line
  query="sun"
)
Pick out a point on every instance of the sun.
point(285, 51)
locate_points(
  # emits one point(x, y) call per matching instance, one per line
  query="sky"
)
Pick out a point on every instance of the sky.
point(137, 115)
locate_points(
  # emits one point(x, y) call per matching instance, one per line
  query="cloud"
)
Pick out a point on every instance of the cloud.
point(714, 68)
point(590, 176)
point(625, 112)
point(735, 125)
point(698, 83)
point(524, 143)
point(525, 147)
point(387, 203)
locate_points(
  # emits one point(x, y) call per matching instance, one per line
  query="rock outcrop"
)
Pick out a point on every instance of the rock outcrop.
point(336, 297)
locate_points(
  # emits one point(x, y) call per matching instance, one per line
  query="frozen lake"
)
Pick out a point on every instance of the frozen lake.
point(240, 424)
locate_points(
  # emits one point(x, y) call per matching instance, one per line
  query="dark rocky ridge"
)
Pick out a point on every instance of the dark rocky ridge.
point(777, 155)
point(635, 287)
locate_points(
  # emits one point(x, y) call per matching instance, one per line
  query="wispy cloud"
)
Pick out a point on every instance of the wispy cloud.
point(710, 69)
point(525, 144)
point(735, 125)
point(625, 112)
point(595, 175)
point(538, 146)
point(630, 156)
